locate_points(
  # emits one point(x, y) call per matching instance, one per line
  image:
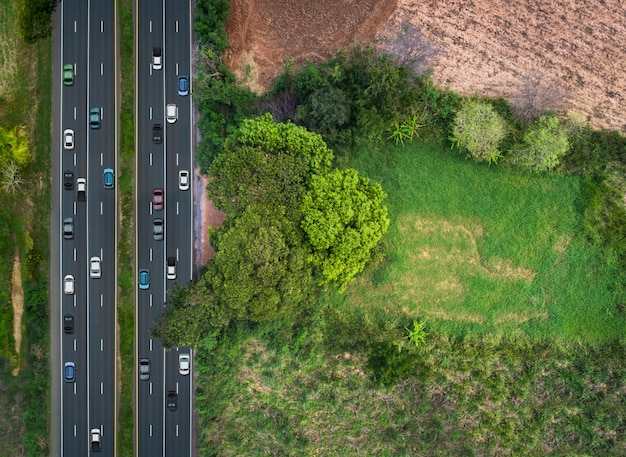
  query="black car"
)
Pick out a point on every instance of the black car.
point(172, 398)
point(157, 133)
point(68, 180)
point(68, 323)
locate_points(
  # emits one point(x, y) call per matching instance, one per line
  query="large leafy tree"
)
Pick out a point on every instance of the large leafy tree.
point(249, 174)
point(188, 314)
point(260, 271)
point(478, 130)
point(344, 219)
point(291, 221)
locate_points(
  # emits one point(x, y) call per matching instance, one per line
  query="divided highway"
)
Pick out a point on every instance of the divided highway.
point(86, 206)
point(163, 151)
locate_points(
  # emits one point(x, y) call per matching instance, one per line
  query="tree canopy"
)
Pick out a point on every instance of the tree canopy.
point(286, 138)
point(292, 225)
point(260, 270)
point(343, 217)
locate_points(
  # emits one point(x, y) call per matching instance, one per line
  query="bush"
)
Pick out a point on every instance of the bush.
point(478, 130)
point(326, 110)
point(543, 145)
point(389, 363)
point(35, 19)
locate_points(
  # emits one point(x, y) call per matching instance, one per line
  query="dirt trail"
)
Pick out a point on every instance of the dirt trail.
point(17, 300)
point(487, 45)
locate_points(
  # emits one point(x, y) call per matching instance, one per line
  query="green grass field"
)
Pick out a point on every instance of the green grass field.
point(474, 248)
point(521, 354)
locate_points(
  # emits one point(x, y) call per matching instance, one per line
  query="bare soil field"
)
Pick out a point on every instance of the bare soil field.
point(486, 46)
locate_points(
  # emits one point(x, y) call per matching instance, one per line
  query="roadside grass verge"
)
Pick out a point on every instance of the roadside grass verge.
point(25, 100)
point(125, 301)
point(479, 249)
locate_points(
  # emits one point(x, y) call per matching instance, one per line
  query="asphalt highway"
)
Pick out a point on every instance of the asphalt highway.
point(84, 320)
point(160, 430)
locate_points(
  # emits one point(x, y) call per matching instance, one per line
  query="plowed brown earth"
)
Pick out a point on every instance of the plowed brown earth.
point(487, 45)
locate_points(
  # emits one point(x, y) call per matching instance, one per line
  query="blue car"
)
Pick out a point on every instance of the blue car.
point(183, 85)
point(94, 118)
point(109, 178)
point(69, 372)
point(144, 279)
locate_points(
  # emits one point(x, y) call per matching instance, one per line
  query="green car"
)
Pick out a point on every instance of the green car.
point(68, 74)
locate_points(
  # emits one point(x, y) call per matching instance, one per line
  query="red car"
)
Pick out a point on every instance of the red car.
point(157, 198)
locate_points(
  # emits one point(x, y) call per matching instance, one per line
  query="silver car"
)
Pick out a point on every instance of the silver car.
point(94, 269)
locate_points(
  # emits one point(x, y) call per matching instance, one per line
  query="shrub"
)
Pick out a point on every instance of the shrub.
point(389, 363)
point(544, 143)
point(35, 19)
point(478, 130)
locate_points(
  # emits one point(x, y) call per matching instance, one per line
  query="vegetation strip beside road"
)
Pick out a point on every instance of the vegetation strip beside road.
point(125, 300)
point(25, 162)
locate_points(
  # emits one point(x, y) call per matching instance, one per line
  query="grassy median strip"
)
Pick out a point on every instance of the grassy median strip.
point(125, 308)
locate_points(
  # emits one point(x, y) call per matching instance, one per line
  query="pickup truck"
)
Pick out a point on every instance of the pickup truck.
point(81, 189)
point(171, 268)
point(96, 440)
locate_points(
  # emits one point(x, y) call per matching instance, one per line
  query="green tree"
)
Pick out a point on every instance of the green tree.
point(261, 270)
point(545, 142)
point(478, 130)
point(286, 138)
point(327, 109)
point(188, 314)
point(14, 146)
point(248, 174)
point(210, 24)
point(343, 217)
point(35, 19)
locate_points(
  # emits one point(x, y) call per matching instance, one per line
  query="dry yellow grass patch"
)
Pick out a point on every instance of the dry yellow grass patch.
point(442, 242)
point(8, 48)
point(432, 283)
point(17, 300)
point(561, 244)
point(520, 317)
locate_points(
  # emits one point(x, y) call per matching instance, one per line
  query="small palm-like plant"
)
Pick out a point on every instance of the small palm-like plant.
point(417, 335)
point(407, 130)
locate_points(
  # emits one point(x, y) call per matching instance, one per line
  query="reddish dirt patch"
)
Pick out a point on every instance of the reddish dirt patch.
point(264, 34)
point(208, 217)
point(487, 45)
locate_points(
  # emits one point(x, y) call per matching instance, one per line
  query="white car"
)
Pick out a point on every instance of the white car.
point(171, 113)
point(68, 139)
point(183, 180)
point(94, 269)
point(157, 58)
point(68, 285)
point(183, 364)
